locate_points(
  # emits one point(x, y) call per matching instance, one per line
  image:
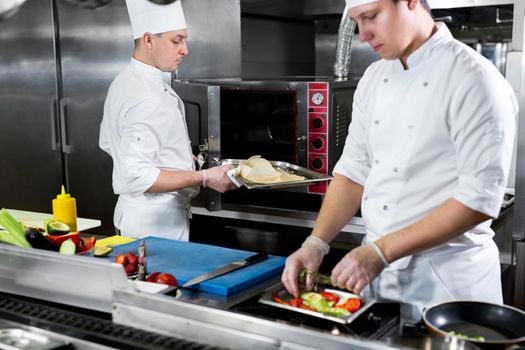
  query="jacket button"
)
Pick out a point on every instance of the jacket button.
point(385, 207)
point(376, 122)
point(395, 170)
point(425, 84)
point(376, 161)
point(385, 80)
point(410, 127)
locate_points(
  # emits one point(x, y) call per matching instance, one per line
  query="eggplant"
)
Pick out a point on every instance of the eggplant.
point(38, 240)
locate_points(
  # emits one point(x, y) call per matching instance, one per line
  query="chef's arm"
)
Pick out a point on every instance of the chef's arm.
point(342, 200)
point(169, 180)
point(442, 224)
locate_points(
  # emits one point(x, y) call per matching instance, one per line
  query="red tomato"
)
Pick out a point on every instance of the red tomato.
point(133, 259)
point(152, 276)
point(86, 244)
point(121, 259)
point(166, 278)
point(330, 297)
point(351, 304)
point(296, 302)
point(130, 269)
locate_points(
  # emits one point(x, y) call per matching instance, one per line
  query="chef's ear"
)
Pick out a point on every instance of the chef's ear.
point(147, 40)
point(412, 4)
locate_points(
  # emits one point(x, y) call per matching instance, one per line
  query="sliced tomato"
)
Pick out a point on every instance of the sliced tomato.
point(296, 302)
point(330, 297)
point(86, 244)
point(351, 304)
point(57, 240)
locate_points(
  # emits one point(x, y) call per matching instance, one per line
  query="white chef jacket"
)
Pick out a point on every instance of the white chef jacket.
point(144, 130)
point(442, 129)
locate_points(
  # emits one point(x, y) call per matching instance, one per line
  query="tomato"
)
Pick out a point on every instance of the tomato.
point(330, 297)
point(351, 304)
point(166, 278)
point(296, 302)
point(86, 244)
point(152, 276)
point(57, 240)
point(133, 259)
point(121, 259)
point(130, 269)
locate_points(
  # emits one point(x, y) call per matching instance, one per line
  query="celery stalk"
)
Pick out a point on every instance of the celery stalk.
point(15, 229)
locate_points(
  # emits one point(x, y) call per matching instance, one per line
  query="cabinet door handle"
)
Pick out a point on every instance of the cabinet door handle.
point(67, 147)
point(55, 142)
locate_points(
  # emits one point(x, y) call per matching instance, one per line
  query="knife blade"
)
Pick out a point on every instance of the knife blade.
point(227, 268)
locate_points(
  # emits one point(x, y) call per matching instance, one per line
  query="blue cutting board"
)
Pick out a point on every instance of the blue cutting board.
point(186, 260)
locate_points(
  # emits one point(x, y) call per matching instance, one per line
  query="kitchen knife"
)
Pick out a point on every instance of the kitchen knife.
point(227, 268)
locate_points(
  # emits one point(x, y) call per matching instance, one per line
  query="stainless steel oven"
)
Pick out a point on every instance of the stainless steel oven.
point(303, 121)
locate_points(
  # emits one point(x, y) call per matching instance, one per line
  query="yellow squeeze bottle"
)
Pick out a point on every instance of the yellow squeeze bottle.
point(65, 210)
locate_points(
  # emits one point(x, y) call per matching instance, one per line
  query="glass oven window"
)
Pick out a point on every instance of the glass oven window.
point(259, 123)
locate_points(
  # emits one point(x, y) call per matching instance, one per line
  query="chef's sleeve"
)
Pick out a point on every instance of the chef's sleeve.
point(140, 145)
point(483, 125)
point(354, 162)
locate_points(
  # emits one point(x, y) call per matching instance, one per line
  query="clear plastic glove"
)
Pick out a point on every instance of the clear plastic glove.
point(357, 269)
point(308, 257)
point(217, 179)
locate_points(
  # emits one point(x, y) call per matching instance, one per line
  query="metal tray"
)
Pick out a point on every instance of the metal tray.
point(283, 294)
point(310, 176)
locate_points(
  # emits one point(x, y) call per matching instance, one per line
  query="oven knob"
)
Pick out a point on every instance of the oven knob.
point(317, 123)
point(317, 143)
point(317, 163)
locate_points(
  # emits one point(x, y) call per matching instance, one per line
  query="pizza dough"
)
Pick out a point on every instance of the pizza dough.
point(259, 170)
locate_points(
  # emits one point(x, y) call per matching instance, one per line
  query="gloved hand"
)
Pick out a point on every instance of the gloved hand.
point(217, 179)
point(309, 256)
point(358, 268)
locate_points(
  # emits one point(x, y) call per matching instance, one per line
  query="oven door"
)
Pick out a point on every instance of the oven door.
point(202, 107)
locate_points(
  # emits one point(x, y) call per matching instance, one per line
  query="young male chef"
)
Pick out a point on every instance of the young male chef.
point(426, 159)
point(144, 131)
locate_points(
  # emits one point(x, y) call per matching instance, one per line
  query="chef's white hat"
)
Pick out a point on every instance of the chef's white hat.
point(355, 3)
point(146, 16)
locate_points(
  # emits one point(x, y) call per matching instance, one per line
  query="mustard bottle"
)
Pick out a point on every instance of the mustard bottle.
point(65, 210)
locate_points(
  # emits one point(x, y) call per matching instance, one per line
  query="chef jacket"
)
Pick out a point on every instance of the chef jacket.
point(444, 128)
point(144, 130)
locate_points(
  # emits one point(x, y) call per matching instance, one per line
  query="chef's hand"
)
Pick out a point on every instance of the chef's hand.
point(216, 178)
point(307, 257)
point(357, 269)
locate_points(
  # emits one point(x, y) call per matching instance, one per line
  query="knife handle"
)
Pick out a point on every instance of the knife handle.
point(255, 258)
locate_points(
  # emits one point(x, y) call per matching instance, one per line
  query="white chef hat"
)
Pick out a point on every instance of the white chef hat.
point(146, 16)
point(355, 3)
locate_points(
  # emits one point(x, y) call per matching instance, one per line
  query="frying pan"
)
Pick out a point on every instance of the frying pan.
point(501, 326)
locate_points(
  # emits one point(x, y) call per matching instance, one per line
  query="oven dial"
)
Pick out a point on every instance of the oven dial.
point(317, 123)
point(317, 163)
point(317, 143)
point(317, 98)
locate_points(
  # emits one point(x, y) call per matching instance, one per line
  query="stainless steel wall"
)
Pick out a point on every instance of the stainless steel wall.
point(214, 42)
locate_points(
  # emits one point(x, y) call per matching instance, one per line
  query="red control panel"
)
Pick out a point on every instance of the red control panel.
point(317, 132)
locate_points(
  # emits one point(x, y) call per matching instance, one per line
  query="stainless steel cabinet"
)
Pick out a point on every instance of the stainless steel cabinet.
point(57, 60)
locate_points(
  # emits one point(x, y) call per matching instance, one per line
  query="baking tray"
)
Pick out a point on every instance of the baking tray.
point(311, 177)
point(283, 294)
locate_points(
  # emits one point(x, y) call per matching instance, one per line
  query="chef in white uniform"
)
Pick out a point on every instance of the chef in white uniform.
point(144, 131)
point(426, 159)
